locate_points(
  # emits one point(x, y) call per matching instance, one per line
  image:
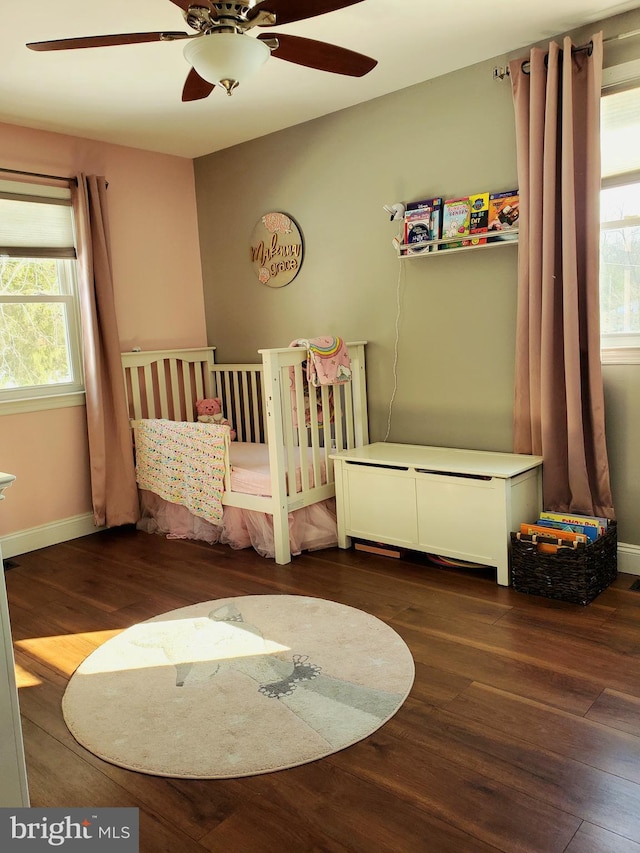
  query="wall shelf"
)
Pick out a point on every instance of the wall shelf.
point(506, 239)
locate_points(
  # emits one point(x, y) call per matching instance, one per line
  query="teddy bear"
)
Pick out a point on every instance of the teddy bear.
point(209, 411)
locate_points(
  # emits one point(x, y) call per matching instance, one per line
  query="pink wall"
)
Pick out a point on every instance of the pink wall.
point(47, 451)
point(159, 302)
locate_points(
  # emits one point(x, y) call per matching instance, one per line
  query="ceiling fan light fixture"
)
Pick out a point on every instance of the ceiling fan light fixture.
point(226, 58)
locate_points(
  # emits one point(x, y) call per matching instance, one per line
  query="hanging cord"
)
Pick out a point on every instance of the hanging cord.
point(395, 348)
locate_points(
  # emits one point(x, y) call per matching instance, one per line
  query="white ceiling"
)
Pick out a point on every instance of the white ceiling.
point(131, 95)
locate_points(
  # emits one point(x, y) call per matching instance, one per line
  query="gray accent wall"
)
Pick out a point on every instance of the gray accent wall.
point(441, 328)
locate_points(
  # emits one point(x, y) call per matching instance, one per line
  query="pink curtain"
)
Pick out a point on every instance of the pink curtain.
point(559, 399)
point(113, 484)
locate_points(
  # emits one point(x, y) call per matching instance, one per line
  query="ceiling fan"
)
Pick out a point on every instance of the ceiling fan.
point(221, 53)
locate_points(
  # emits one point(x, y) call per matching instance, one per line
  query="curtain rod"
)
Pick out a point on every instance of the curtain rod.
point(621, 36)
point(72, 179)
point(586, 47)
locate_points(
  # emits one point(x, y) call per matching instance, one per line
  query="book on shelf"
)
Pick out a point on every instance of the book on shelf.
point(422, 223)
point(456, 215)
point(504, 214)
point(417, 231)
point(601, 524)
point(478, 217)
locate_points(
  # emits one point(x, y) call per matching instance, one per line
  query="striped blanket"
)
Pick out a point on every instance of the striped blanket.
point(184, 463)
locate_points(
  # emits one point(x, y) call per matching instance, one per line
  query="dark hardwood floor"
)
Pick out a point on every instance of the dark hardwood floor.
point(521, 733)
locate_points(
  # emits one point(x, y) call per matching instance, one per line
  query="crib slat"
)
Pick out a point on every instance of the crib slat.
point(225, 394)
point(327, 415)
point(149, 393)
point(201, 392)
point(288, 424)
point(302, 434)
point(273, 395)
point(348, 416)
point(237, 400)
point(259, 407)
point(328, 419)
point(136, 399)
point(339, 419)
point(314, 435)
point(162, 392)
point(228, 404)
point(217, 389)
point(337, 409)
point(174, 387)
point(359, 394)
point(244, 400)
point(189, 402)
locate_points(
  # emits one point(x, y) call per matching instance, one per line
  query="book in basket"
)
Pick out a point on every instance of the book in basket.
point(590, 531)
point(577, 518)
point(549, 541)
point(565, 535)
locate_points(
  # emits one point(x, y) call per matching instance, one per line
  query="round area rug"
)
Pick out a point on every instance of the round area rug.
point(238, 686)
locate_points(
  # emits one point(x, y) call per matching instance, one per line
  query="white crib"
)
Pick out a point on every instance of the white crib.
point(261, 400)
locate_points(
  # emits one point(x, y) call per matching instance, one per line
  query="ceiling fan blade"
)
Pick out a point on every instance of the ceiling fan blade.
point(195, 88)
point(184, 4)
point(105, 41)
point(287, 11)
point(320, 55)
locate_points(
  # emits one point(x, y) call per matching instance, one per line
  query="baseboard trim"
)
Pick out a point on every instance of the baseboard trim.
point(629, 558)
point(34, 538)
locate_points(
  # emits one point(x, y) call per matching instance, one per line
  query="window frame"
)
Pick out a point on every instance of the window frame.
point(58, 394)
point(624, 347)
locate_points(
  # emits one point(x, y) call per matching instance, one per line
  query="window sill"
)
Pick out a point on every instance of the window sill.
point(620, 355)
point(40, 404)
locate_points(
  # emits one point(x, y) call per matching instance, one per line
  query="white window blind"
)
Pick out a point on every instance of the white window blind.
point(620, 137)
point(36, 220)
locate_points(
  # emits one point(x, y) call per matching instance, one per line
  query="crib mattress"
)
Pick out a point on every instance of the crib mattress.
point(250, 472)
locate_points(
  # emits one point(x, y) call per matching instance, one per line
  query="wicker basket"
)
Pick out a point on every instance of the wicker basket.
point(577, 576)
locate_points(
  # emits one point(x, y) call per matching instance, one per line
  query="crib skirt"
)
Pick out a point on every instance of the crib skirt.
point(310, 527)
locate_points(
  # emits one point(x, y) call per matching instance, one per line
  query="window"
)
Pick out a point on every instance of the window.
point(620, 226)
point(39, 317)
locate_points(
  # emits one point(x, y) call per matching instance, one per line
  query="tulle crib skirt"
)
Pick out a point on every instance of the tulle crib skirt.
point(310, 527)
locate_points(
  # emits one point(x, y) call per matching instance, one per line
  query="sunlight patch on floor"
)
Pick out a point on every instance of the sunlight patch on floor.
point(64, 652)
point(24, 678)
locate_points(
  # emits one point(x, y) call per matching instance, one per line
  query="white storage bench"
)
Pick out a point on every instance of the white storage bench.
point(455, 503)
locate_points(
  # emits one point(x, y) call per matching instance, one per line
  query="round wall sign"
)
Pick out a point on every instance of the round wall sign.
point(276, 249)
